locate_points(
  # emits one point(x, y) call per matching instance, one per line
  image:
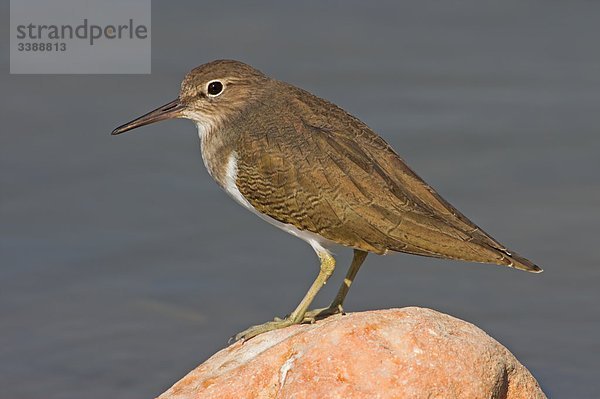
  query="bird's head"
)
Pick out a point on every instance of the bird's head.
point(209, 95)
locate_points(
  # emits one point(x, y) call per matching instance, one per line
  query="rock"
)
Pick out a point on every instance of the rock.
point(397, 353)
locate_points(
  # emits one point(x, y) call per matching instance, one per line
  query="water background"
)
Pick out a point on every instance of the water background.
point(123, 265)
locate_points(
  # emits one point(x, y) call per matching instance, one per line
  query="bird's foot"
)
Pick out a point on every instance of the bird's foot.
point(309, 317)
point(317, 314)
point(262, 328)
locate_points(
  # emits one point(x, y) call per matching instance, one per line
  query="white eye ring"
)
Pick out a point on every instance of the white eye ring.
point(214, 88)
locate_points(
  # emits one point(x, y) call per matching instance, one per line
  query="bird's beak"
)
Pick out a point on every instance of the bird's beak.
point(167, 111)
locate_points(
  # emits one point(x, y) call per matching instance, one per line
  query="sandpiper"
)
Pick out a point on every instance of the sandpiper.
point(308, 167)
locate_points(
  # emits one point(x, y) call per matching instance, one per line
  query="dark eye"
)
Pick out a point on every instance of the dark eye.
point(215, 88)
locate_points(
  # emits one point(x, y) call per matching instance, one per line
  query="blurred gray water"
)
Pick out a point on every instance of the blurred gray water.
point(124, 265)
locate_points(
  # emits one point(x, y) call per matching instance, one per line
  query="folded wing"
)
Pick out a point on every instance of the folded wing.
point(328, 173)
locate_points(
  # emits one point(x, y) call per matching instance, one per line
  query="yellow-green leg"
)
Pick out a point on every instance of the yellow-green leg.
point(336, 305)
point(297, 316)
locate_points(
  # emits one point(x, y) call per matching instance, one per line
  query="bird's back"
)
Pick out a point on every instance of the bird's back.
point(312, 165)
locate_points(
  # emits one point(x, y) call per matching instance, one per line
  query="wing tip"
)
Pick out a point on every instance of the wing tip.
point(536, 269)
point(518, 262)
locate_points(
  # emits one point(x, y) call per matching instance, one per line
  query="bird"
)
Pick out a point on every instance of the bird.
point(313, 170)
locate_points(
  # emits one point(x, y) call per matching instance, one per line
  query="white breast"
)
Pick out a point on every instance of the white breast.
point(204, 128)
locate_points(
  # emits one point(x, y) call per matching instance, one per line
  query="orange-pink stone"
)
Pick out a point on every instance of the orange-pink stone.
point(397, 353)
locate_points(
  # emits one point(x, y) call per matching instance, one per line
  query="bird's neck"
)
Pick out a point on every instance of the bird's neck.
point(216, 149)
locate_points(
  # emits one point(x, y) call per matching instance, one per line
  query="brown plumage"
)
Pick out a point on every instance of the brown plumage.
point(302, 162)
